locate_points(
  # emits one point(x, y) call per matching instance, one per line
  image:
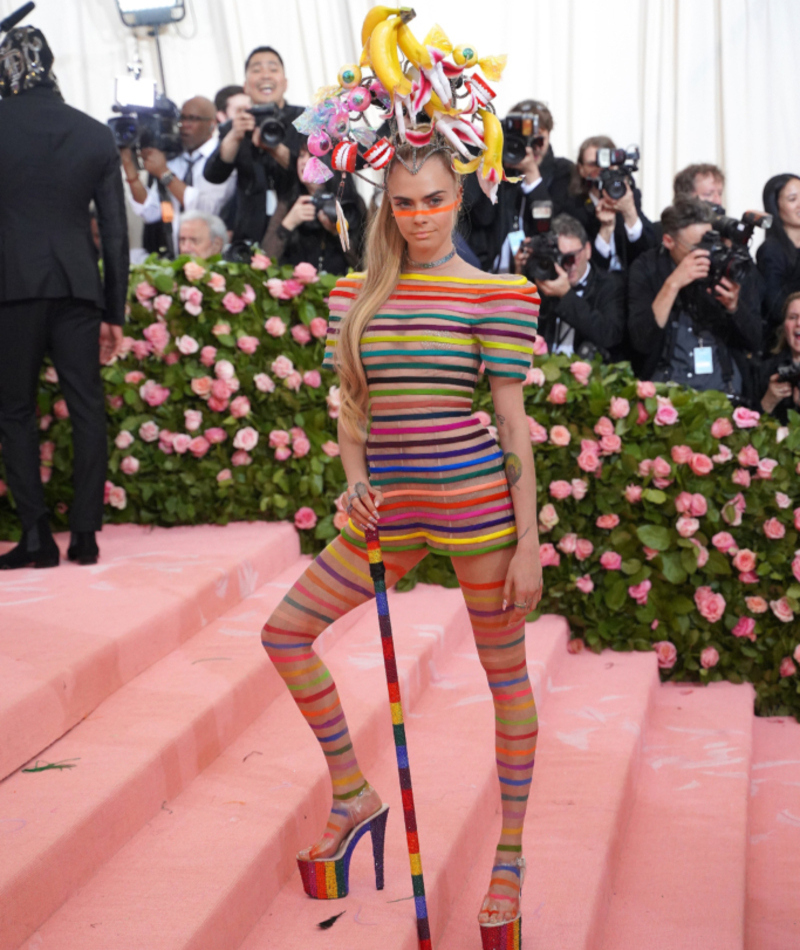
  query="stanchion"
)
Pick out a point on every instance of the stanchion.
point(378, 573)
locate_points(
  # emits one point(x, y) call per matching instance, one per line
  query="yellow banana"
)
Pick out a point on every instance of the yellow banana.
point(374, 17)
point(413, 50)
point(435, 104)
point(364, 58)
point(384, 58)
point(466, 168)
point(493, 138)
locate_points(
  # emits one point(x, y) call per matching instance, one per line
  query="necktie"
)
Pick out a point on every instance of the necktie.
point(188, 177)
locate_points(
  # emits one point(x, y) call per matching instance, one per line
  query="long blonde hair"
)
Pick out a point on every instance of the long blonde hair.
point(385, 249)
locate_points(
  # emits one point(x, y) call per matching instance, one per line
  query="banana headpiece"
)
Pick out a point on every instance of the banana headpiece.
point(408, 78)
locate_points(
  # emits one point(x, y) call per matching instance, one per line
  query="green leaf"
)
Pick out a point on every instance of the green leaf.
point(719, 564)
point(681, 605)
point(654, 536)
point(631, 566)
point(671, 567)
point(164, 282)
point(551, 371)
point(654, 495)
point(615, 595)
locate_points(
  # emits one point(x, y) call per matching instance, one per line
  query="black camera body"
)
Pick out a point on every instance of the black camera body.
point(617, 166)
point(731, 261)
point(270, 122)
point(325, 202)
point(789, 373)
point(520, 131)
point(544, 255)
point(739, 232)
point(138, 127)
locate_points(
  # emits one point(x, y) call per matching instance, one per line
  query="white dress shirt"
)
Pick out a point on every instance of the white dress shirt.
point(608, 249)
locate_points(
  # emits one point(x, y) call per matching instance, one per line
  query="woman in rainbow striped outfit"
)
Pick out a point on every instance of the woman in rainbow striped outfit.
point(408, 339)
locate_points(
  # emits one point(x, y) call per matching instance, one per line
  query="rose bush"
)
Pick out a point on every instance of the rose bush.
point(218, 411)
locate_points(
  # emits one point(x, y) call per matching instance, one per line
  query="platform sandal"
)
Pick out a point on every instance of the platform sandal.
point(508, 934)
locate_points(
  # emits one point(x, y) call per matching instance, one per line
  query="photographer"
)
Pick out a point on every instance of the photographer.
point(778, 257)
point(704, 182)
point(54, 161)
point(265, 170)
point(618, 230)
point(583, 308)
point(303, 229)
point(779, 376)
point(202, 234)
point(690, 324)
point(182, 176)
point(527, 154)
point(230, 101)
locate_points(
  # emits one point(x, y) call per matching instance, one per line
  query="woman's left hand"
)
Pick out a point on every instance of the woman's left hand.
point(523, 588)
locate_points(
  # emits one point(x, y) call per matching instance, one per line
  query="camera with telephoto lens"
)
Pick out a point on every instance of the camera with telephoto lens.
point(520, 130)
point(145, 120)
point(270, 123)
point(543, 246)
point(325, 202)
point(738, 231)
point(731, 261)
point(789, 373)
point(616, 169)
point(240, 252)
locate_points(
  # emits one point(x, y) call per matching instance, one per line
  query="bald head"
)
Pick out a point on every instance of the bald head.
point(198, 122)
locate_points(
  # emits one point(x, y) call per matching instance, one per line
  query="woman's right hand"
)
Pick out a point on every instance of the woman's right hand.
point(301, 212)
point(776, 393)
point(363, 502)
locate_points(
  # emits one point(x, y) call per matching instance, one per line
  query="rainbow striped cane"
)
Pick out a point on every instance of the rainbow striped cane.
point(378, 573)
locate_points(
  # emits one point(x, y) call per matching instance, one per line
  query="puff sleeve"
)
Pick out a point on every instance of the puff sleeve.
point(507, 331)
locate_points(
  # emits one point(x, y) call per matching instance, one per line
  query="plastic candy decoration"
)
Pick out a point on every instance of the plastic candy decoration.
point(344, 157)
point(359, 100)
point(465, 56)
point(380, 154)
point(339, 125)
point(319, 143)
point(349, 76)
point(315, 172)
point(481, 90)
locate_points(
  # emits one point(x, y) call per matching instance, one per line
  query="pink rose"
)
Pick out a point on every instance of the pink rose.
point(585, 584)
point(744, 560)
point(292, 288)
point(192, 299)
point(588, 461)
point(797, 519)
point(568, 544)
point(782, 610)
point(681, 454)
point(787, 668)
point(47, 420)
point(331, 449)
point(611, 561)
point(129, 465)
point(558, 394)
point(294, 381)
point(117, 497)
point(723, 541)
point(207, 355)
point(305, 519)
point(240, 407)
point(319, 328)
point(748, 456)
point(260, 261)
point(560, 435)
point(199, 446)
point(633, 494)
point(162, 303)
point(240, 458)
point(539, 433)
point(666, 654)
point(641, 414)
point(187, 344)
point(721, 428)
point(750, 577)
point(264, 383)
point(201, 386)
point(765, 469)
point(796, 566)
point(781, 500)
point(723, 455)
point(193, 271)
point(171, 358)
point(661, 467)
point(610, 445)
point(60, 410)
point(576, 645)
point(181, 443)
point(732, 512)
point(148, 431)
point(165, 438)
point(246, 439)
point(579, 488)
point(305, 273)
point(134, 377)
point(219, 390)
point(549, 556)
point(282, 453)
point(282, 367)
point(581, 371)
point(756, 605)
point(645, 389)
point(773, 529)
point(215, 435)
point(687, 526)
point(619, 407)
point(233, 303)
point(560, 490)
point(141, 349)
point(741, 477)
point(548, 518)
point(482, 417)
point(312, 378)
point(217, 283)
point(145, 292)
point(709, 657)
point(301, 447)
point(248, 294)
point(45, 473)
point(745, 418)
point(796, 653)
point(539, 346)
point(604, 426)
point(248, 344)
point(223, 369)
point(340, 519)
point(47, 449)
point(701, 464)
point(702, 553)
point(583, 549)
point(666, 414)
point(153, 394)
point(301, 334)
point(745, 626)
point(123, 441)
point(275, 288)
point(221, 329)
point(158, 335)
point(535, 377)
point(640, 592)
point(224, 475)
point(3, 488)
point(645, 468)
point(710, 605)
point(607, 521)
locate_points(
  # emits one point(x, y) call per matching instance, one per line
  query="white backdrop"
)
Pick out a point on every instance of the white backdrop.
point(687, 80)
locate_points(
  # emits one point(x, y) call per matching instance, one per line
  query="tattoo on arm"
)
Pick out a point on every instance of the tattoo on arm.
point(521, 536)
point(513, 468)
point(501, 420)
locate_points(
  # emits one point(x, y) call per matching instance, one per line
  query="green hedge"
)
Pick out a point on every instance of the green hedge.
point(668, 472)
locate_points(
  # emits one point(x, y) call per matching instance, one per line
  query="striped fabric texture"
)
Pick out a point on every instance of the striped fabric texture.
point(440, 470)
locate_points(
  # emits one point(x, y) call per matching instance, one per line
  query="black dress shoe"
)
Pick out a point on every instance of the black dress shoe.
point(36, 549)
point(83, 548)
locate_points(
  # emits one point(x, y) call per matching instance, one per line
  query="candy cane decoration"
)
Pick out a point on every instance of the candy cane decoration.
point(378, 572)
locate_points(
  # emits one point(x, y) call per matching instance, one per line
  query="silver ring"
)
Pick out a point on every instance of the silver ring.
point(520, 606)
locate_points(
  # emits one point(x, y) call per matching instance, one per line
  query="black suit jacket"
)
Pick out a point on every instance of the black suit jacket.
point(779, 265)
point(582, 208)
point(53, 161)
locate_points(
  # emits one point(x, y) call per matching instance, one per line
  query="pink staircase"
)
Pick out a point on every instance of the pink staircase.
point(660, 816)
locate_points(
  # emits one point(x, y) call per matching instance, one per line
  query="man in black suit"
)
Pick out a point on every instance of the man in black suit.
point(54, 161)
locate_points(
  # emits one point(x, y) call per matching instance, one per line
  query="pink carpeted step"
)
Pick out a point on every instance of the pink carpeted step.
point(71, 636)
point(681, 870)
point(144, 745)
point(773, 855)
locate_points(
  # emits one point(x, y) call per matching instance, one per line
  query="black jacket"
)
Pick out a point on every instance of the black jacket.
point(54, 161)
point(761, 376)
point(739, 331)
point(597, 316)
point(486, 225)
point(582, 208)
point(779, 264)
point(257, 173)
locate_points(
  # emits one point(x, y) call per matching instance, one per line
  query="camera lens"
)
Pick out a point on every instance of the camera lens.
point(567, 260)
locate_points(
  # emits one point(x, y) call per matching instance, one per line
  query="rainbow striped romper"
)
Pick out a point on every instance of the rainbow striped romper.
point(440, 470)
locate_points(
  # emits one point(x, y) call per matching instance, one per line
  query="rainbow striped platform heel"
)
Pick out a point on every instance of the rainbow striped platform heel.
point(327, 879)
point(508, 935)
